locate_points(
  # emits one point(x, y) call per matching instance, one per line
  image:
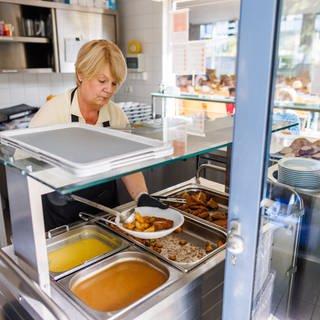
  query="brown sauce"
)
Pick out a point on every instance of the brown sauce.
point(118, 286)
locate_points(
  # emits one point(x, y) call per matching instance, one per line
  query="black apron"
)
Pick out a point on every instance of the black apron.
point(58, 211)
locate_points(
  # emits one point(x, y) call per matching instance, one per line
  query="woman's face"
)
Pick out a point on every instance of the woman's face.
point(98, 90)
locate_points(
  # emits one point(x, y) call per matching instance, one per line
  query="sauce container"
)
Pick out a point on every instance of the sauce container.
point(118, 283)
point(80, 247)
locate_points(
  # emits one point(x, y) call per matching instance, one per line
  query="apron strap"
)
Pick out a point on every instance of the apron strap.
point(74, 118)
point(72, 94)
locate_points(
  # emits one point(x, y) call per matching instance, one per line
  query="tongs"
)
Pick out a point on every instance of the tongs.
point(169, 199)
point(124, 217)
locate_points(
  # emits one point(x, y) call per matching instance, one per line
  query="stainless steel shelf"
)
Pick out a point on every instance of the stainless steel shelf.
point(27, 70)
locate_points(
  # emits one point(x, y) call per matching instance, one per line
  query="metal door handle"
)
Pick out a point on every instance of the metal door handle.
point(235, 243)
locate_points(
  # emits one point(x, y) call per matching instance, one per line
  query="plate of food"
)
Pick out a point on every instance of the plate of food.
point(152, 223)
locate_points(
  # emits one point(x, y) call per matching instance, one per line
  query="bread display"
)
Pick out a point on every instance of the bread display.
point(299, 143)
point(302, 147)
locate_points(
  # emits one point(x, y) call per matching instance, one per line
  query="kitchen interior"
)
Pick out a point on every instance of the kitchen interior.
point(198, 98)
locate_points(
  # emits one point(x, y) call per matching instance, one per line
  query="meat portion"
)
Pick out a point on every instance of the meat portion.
point(222, 223)
point(162, 224)
point(212, 204)
point(202, 205)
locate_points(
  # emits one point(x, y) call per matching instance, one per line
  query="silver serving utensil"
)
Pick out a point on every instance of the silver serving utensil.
point(125, 217)
point(170, 199)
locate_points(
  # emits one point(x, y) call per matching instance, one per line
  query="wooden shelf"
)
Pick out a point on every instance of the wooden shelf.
point(24, 39)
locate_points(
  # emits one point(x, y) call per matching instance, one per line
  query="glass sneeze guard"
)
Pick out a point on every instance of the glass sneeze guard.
point(191, 96)
point(218, 98)
point(215, 137)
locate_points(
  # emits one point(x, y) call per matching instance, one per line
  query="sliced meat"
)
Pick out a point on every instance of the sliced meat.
point(162, 224)
point(198, 200)
point(203, 215)
point(221, 223)
point(217, 215)
point(212, 204)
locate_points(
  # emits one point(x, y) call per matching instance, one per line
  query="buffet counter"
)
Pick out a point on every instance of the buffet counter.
point(191, 290)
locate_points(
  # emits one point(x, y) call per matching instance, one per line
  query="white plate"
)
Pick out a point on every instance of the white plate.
point(299, 172)
point(169, 213)
point(300, 164)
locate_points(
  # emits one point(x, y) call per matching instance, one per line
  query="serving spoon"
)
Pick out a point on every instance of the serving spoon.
point(125, 217)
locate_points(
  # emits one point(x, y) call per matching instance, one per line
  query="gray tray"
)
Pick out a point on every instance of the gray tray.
point(83, 149)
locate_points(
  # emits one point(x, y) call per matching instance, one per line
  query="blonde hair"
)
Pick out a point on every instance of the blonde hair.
point(94, 55)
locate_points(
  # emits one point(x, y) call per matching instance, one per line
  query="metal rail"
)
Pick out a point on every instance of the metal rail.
point(210, 166)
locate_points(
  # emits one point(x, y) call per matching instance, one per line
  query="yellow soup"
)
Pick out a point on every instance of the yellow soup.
point(76, 253)
point(119, 285)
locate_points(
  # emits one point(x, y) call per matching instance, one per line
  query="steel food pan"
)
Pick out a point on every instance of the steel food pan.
point(216, 216)
point(94, 280)
point(80, 247)
point(189, 244)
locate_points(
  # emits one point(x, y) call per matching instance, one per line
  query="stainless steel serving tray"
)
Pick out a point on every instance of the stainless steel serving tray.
point(195, 233)
point(221, 198)
point(84, 149)
point(85, 232)
point(132, 253)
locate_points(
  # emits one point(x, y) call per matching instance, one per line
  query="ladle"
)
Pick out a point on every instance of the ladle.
point(125, 217)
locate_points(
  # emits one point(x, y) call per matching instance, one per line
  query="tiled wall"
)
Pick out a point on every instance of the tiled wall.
point(32, 89)
point(139, 19)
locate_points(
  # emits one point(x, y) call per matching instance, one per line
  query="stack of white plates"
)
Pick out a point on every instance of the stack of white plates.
point(299, 172)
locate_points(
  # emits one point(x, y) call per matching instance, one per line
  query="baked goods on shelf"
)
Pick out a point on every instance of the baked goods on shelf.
point(302, 147)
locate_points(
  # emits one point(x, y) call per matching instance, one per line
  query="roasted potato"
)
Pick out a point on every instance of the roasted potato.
point(148, 224)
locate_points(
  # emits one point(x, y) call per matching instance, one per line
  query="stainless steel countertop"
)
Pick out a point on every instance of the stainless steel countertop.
point(150, 306)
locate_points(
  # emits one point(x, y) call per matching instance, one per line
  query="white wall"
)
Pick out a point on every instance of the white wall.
point(32, 89)
point(139, 19)
point(215, 12)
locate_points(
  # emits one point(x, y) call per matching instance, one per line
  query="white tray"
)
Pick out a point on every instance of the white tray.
point(83, 149)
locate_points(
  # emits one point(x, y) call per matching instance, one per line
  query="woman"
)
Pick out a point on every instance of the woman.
point(100, 70)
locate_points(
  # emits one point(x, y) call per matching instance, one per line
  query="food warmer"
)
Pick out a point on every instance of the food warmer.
point(190, 287)
point(189, 290)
